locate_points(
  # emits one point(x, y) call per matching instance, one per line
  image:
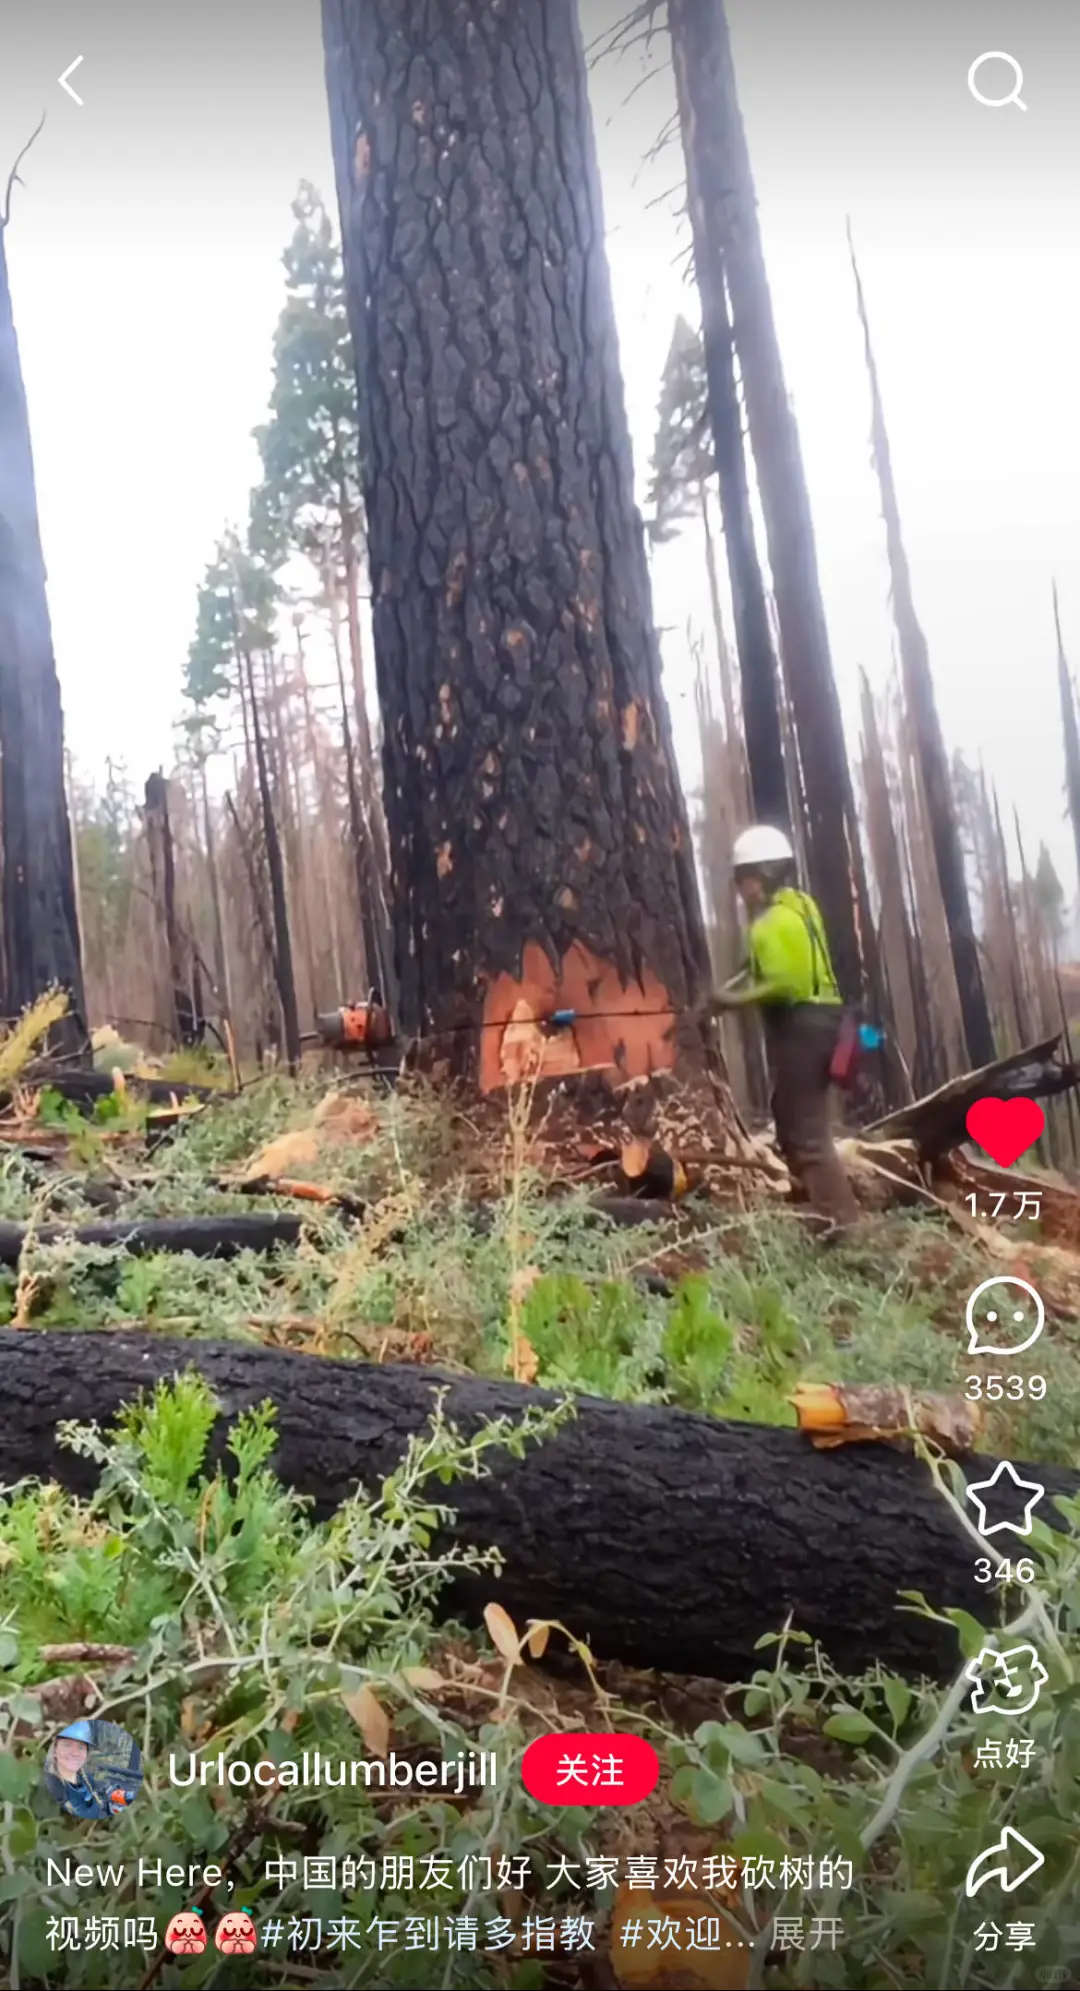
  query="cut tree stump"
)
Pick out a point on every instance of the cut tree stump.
point(205, 1237)
point(665, 1539)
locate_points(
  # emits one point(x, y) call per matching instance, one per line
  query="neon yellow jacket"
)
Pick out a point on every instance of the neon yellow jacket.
point(789, 953)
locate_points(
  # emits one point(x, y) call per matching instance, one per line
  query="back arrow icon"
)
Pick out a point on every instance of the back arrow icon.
point(63, 80)
point(981, 1870)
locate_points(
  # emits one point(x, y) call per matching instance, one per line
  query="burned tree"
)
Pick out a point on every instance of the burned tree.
point(234, 624)
point(758, 673)
point(38, 902)
point(929, 743)
point(542, 859)
point(159, 838)
point(1070, 733)
point(721, 188)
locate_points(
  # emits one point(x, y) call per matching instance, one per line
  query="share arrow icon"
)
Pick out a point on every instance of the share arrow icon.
point(63, 80)
point(994, 1863)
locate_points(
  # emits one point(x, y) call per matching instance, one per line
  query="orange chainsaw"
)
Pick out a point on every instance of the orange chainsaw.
point(357, 1026)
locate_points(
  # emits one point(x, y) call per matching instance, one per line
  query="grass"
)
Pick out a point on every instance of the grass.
point(253, 1631)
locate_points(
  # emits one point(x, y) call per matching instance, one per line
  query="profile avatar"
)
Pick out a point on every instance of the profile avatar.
point(93, 1769)
point(186, 1933)
point(235, 1933)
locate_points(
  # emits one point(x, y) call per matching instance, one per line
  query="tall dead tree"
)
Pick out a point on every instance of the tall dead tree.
point(542, 857)
point(1070, 733)
point(375, 966)
point(927, 736)
point(695, 85)
point(38, 905)
point(284, 973)
point(703, 57)
point(159, 838)
point(896, 941)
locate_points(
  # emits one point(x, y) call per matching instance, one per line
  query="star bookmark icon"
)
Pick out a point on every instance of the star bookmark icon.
point(1004, 1475)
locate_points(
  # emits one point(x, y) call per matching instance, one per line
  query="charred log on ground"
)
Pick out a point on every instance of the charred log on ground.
point(84, 1089)
point(666, 1539)
point(204, 1237)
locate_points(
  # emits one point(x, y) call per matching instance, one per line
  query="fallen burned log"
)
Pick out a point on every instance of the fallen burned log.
point(938, 1122)
point(666, 1539)
point(205, 1237)
point(262, 1231)
point(84, 1089)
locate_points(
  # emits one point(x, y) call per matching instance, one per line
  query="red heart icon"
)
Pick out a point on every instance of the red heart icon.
point(1006, 1128)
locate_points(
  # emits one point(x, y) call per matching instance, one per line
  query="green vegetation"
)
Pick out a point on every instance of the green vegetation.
point(258, 1633)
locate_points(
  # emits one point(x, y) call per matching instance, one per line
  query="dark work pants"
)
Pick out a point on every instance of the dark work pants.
point(800, 1040)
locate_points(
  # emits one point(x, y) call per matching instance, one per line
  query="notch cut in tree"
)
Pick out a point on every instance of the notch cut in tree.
point(929, 741)
point(38, 901)
point(542, 857)
point(665, 1538)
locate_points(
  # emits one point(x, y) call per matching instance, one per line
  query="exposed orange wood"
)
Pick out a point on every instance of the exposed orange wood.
point(623, 1033)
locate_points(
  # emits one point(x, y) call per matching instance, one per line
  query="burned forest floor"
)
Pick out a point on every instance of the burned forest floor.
point(819, 1826)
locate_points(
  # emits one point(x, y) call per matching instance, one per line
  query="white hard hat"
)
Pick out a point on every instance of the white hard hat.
point(761, 845)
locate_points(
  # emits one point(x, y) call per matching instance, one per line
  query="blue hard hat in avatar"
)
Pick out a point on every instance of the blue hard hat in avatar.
point(78, 1731)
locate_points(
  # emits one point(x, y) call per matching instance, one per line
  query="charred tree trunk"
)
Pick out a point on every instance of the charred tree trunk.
point(753, 635)
point(928, 739)
point(326, 803)
point(221, 959)
point(738, 794)
point(282, 955)
point(541, 847)
point(703, 56)
point(1014, 953)
point(258, 903)
point(895, 930)
point(375, 966)
point(38, 908)
point(1070, 734)
point(163, 880)
point(664, 1538)
point(289, 793)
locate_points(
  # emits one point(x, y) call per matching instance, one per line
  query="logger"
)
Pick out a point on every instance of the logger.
point(810, 1038)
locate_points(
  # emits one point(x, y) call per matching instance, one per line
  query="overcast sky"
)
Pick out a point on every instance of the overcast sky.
point(145, 263)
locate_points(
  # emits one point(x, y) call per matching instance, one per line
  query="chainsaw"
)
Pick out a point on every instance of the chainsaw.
point(356, 1026)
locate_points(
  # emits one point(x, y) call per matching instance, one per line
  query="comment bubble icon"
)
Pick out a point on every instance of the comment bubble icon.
point(1004, 1316)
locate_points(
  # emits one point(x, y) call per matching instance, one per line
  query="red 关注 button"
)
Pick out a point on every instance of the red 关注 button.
point(590, 1769)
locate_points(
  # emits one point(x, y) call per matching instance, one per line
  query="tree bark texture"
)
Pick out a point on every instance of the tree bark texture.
point(929, 740)
point(38, 907)
point(699, 29)
point(758, 671)
point(664, 1538)
point(540, 846)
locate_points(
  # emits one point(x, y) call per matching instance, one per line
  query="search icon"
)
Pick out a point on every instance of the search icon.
point(998, 103)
